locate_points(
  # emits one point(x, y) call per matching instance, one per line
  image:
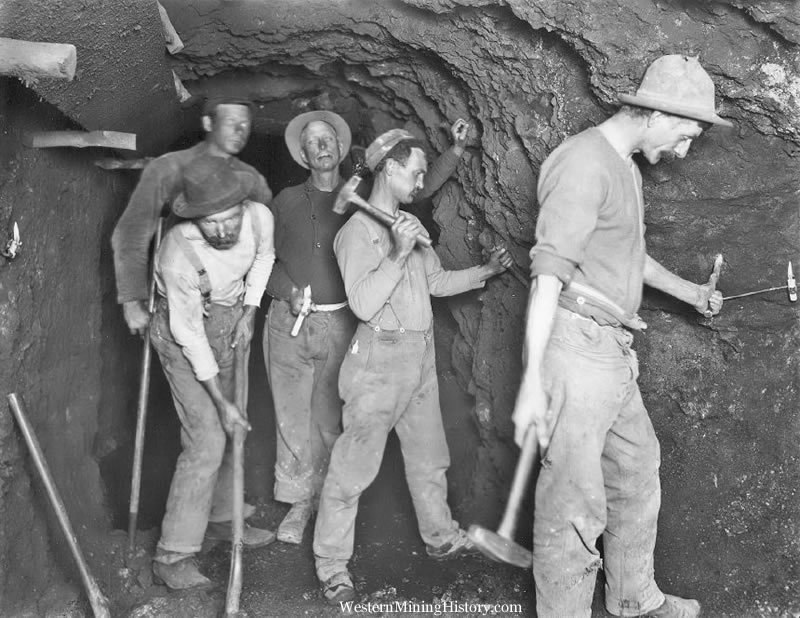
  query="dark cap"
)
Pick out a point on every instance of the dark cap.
point(210, 104)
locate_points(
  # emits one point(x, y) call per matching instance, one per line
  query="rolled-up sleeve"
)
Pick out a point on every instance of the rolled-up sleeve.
point(570, 197)
point(369, 277)
point(259, 273)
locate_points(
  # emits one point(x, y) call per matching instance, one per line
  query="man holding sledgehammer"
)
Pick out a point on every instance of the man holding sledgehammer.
point(388, 377)
point(211, 272)
point(599, 473)
point(303, 368)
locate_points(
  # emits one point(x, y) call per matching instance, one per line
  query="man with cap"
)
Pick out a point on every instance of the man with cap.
point(303, 369)
point(578, 393)
point(211, 272)
point(388, 377)
point(227, 122)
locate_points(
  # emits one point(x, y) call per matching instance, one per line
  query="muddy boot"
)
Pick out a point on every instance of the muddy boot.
point(251, 537)
point(461, 546)
point(182, 574)
point(293, 525)
point(675, 607)
point(338, 589)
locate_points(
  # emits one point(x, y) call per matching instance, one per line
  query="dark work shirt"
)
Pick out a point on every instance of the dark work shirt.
point(305, 226)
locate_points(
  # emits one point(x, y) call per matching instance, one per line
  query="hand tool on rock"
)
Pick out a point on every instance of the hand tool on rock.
point(97, 600)
point(13, 244)
point(305, 309)
point(500, 546)
point(790, 287)
point(348, 194)
point(234, 591)
point(141, 409)
point(714, 279)
point(486, 239)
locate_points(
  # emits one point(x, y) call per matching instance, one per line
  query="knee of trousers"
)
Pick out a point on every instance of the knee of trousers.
point(208, 449)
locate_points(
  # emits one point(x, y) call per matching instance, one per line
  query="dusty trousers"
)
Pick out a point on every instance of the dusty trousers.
point(599, 476)
point(202, 486)
point(388, 380)
point(303, 375)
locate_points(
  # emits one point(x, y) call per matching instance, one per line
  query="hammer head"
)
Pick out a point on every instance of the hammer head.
point(345, 195)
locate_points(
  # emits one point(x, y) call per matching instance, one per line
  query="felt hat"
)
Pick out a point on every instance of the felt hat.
point(298, 123)
point(211, 185)
point(382, 144)
point(677, 84)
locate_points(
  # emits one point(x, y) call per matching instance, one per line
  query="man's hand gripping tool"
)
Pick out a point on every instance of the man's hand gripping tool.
point(304, 311)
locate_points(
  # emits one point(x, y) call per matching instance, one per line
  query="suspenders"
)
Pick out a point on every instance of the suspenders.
point(202, 273)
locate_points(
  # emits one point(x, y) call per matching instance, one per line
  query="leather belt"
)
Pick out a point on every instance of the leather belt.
point(330, 307)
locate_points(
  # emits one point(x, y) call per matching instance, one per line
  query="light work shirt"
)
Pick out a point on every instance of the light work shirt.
point(239, 272)
point(386, 295)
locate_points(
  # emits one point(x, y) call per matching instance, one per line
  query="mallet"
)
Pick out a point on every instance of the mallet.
point(714, 279)
point(348, 195)
point(500, 546)
point(97, 600)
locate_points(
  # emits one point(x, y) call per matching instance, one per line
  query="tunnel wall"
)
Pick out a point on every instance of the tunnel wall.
point(57, 349)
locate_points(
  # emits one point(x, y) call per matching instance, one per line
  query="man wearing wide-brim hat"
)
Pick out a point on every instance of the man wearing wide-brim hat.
point(211, 271)
point(303, 369)
point(579, 393)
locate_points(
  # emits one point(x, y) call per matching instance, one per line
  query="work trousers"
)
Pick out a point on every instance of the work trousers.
point(202, 486)
point(599, 476)
point(303, 375)
point(388, 380)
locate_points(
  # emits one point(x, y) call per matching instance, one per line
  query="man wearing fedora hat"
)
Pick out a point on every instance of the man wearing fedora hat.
point(388, 378)
point(211, 272)
point(226, 121)
point(303, 369)
point(578, 393)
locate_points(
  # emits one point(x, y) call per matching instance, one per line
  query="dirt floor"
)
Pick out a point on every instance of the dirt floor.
point(720, 550)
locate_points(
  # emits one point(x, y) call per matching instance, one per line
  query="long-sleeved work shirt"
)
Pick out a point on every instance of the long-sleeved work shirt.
point(159, 185)
point(241, 271)
point(386, 295)
point(590, 228)
point(305, 226)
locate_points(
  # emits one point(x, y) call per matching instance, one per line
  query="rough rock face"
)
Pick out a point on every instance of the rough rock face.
point(526, 74)
point(722, 392)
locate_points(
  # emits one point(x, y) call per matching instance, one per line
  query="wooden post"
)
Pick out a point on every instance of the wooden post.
point(81, 139)
point(30, 61)
point(173, 40)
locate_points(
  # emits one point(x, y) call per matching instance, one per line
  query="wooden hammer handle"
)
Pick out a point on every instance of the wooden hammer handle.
point(384, 217)
point(522, 475)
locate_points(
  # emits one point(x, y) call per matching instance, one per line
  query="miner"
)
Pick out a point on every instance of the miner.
point(226, 122)
point(211, 272)
point(303, 370)
point(388, 377)
point(579, 392)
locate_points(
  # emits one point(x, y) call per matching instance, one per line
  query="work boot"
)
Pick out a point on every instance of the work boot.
point(292, 526)
point(461, 546)
point(180, 575)
point(675, 607)
point(338, 588)
point(248, 510)
point(251, 537)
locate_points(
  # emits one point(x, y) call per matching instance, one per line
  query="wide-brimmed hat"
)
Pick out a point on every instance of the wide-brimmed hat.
point(298, 123)
point(678, 85)
point(382, 144)
point(211, 185)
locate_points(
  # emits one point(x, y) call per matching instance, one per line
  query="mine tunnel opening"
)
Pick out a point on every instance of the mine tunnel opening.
point(388, 496)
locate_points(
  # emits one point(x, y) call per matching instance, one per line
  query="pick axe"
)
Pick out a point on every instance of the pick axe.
point(348, 195)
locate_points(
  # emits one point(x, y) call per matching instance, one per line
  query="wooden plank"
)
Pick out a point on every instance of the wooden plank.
point(29, 61)
point(81, 139)
point(173, 40)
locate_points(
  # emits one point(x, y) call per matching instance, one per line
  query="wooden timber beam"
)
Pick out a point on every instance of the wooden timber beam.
point(81, 139)
point(29, 61)
point(173, 40)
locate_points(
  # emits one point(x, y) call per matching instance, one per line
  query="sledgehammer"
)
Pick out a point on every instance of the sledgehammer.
point(348, 194)
point(500, 546)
